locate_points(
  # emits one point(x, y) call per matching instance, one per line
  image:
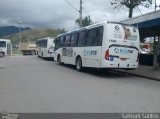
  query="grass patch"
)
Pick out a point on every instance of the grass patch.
point(15, 51)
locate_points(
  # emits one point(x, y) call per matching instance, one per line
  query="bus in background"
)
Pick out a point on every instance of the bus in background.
point(102, 45)
point(45, 47)
point(5, 47)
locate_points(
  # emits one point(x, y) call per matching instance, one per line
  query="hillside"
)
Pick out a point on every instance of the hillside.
point(33, 35)
point(8, 30)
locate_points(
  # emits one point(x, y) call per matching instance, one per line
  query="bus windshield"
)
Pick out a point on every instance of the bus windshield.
point(2, 44)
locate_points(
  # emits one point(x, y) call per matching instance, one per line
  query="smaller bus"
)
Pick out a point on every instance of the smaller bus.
point(5, 47)
point(45, 47)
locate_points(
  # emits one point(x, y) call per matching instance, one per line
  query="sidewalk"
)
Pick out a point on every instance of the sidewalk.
point(143, 71)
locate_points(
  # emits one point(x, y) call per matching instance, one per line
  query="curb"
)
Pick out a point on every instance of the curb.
point(139, 75)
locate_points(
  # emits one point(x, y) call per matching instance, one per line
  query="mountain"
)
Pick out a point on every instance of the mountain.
point(33, 35)
point(7, 30)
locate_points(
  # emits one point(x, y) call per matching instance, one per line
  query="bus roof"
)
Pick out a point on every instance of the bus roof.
point(45, 38)
point(5, 40)
point(91, 26)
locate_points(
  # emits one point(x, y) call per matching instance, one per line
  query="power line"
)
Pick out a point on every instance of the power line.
point(78, 10)
point(72, 6)
point(139, 10)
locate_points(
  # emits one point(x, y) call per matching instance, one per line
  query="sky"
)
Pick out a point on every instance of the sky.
point(59, 14)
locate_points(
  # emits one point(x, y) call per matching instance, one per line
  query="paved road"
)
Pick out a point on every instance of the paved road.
point(29, 84)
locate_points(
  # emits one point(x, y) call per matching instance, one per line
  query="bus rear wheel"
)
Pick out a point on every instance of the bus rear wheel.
point(42, 55)
point(1, 54)
point(79, 64)
point(59, 59)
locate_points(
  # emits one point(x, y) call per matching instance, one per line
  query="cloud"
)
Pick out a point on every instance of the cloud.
point(57, 13)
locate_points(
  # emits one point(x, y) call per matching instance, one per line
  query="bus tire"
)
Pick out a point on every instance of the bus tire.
point(59, 59)
point(2, 54)
point(79, 64)
point(42, 55)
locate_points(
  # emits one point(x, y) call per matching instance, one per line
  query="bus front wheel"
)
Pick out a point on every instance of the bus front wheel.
point(79, 64)
point(1, 54)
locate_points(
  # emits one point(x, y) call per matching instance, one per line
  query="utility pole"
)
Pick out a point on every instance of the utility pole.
point(155, 5)
point(20, 35)
point(80, 12)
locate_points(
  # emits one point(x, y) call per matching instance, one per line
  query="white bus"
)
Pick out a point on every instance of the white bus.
point(5, 47)
point(102, 45)
point(45, 47)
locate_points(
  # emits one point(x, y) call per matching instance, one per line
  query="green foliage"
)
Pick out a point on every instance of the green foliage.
point(15, 51)
point(33, 35)
point(131, 4)
point(85, 22)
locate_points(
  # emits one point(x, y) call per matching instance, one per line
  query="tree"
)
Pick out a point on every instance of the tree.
point(85, 22)
point(131, 4)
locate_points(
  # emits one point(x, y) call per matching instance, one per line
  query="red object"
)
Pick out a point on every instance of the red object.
point(107, 55)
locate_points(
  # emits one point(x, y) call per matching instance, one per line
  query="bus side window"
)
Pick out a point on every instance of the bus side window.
point(76, 39)
point(61, 42)
point(38, 43)
point(91, 39)
point(64, 41)
point(42, 42)
point(100, 35)
point(86, 37)
point(45, 43)
point(67, 40)
point(95, 37)
point(81, 39)
point(73, 40)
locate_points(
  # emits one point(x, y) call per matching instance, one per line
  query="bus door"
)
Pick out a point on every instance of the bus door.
point(9, 48)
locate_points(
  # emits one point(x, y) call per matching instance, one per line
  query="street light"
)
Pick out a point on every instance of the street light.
point(20, 35)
